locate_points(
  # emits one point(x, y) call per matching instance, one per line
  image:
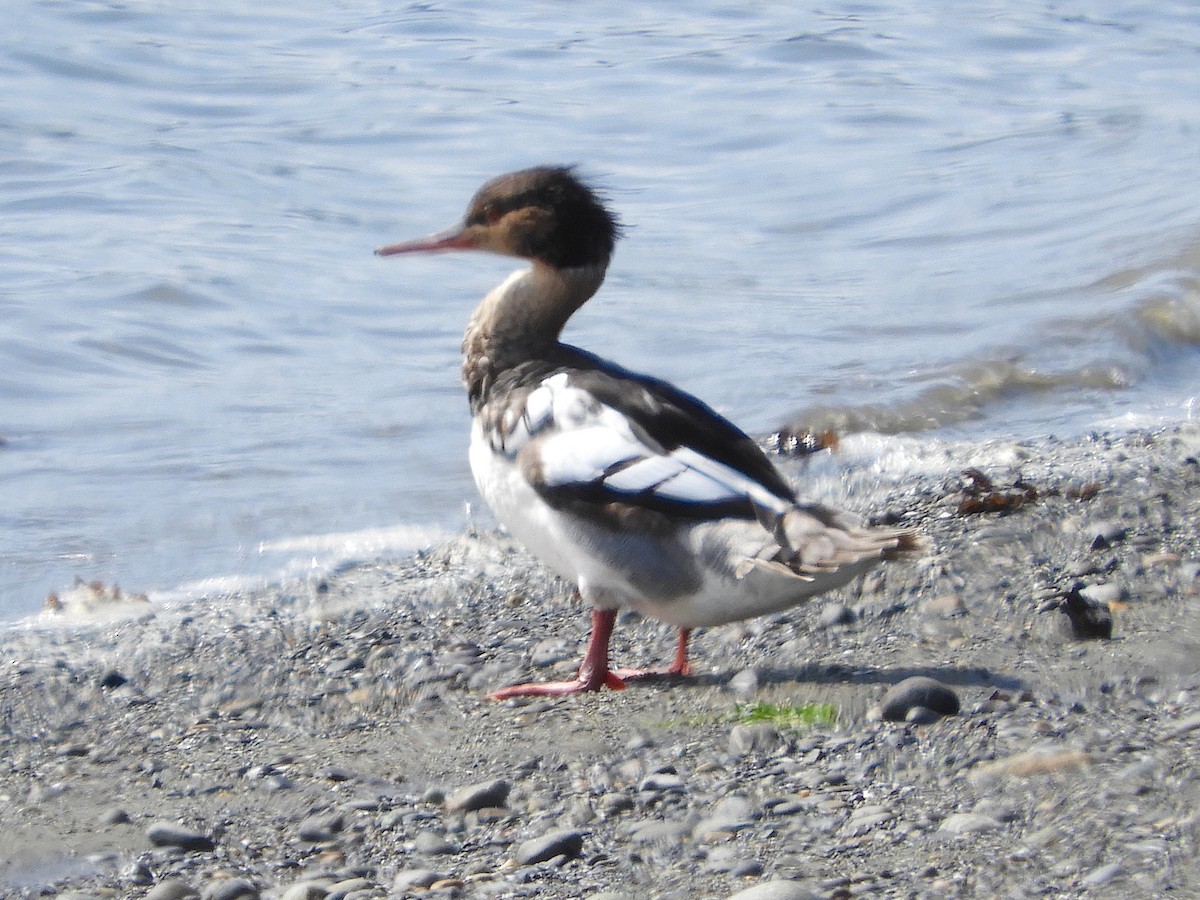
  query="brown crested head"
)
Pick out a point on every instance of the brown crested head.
point(546, 213)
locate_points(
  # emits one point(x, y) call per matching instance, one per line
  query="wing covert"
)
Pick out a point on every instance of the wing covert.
point(589, 452)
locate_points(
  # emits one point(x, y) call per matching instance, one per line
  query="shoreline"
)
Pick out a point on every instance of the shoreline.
point(310, 738)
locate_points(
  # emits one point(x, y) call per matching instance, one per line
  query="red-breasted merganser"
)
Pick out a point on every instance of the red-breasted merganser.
point(637, 492)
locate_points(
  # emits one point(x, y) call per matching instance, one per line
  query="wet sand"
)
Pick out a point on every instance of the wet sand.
point(313, 739)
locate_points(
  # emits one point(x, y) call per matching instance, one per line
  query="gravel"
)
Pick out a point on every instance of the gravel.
point(331, 739)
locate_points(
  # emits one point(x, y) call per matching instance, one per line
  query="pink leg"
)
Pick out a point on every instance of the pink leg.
point(594, 673)
point(678, 666)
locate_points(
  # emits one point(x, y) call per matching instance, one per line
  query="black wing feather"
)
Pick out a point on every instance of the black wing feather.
point(667, 416)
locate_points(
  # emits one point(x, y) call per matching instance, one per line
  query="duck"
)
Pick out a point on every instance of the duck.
point(636, 492)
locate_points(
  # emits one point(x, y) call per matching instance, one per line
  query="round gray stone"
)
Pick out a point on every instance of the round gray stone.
point(662, 782)
point(919, 690)
point(755, 737)
point(306, 890)
point(966, 823)
point(416, 878)
point(775, 890)
point(321, 828)
point(563, 842)
point(479, 796)
point(172, 889)
point(230, 889)
point(430, 843)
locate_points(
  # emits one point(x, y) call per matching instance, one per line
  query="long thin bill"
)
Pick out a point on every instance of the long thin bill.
point(455, 238)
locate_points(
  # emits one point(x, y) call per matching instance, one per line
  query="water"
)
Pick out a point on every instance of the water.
point(947, 220)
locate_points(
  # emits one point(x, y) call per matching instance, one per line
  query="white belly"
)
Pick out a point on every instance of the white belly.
point(519, 508)
point(612, 569)
point(677, 578)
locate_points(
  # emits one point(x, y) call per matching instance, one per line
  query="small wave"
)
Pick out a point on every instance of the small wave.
point(1154, 322)
point(1169, 315)
point(963, 394)
point(151, 351)
point(1164, 301)
point(166, 294)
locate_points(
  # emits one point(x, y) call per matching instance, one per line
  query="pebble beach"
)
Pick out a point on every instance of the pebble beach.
point(1013, 713)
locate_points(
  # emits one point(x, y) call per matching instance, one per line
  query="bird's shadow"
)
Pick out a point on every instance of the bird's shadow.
point(824, 674)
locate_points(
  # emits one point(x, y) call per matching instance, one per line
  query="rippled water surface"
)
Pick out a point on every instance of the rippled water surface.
point(973, 219)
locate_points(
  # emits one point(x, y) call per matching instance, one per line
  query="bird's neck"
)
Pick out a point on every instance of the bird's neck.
point(521, 319)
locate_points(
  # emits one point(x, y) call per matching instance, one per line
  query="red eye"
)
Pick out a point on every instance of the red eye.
point(492, 214)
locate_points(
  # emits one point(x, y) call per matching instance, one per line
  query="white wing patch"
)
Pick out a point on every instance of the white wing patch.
point(739, 482)
point(582, 455)
point(581, 444)
point(644, 474)
point(690, 486)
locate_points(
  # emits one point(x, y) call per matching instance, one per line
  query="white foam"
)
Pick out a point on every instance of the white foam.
point(371, 542)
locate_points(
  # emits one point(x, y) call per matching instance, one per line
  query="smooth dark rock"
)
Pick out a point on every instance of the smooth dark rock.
point(565, 842)
point(168, 834)
point(1105, 534)
point(479, 796)
point(747, 868)
point(321, 828)
point(918, 691)
point(111, 679)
